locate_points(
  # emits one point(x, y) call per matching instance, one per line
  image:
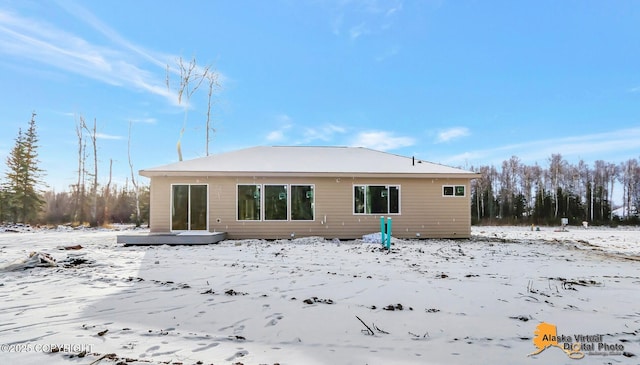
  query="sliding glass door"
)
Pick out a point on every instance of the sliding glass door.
point(189, 207)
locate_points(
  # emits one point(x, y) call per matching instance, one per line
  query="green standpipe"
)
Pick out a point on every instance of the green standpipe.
point(389, 233)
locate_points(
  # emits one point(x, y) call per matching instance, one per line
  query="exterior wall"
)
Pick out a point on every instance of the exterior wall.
point(423, 209)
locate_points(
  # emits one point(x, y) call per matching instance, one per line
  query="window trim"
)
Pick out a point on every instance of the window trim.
point(366, 190)
point(454, 192)
point(171, 207)
point(263, 212)
point(259, 204)
point(313, 203)
point(264, 207)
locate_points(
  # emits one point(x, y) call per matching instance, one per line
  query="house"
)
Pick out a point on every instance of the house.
point(333, 192)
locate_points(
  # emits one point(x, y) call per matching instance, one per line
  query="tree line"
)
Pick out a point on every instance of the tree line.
point(517, 193)
point(514, 193)
point(24, 198)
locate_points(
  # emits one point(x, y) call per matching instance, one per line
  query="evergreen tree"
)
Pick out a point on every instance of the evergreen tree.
point(4, 203)
point(23, 176)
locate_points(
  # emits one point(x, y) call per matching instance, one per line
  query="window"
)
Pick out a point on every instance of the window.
point(358, 199)
point(180, 208)
point(189, 207)
point(451, 190)
point(275, 202)
point(248, 202)
point(302, 203)
point(376, 199)
point(394, 199)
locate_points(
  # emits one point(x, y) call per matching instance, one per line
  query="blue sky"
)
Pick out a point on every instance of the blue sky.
point(464, 83)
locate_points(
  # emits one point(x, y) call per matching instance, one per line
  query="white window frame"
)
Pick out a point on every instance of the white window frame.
point(259, 203)
point(189, 208)
point(353, 199)
point(454, 195)
point(313, 204)
point(263, 211)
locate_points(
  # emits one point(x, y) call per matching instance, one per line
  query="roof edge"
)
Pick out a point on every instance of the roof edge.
point(150, 174)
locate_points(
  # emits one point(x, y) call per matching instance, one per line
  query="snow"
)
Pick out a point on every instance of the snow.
point(621, 240)
point(296, 159)
point(298, 301)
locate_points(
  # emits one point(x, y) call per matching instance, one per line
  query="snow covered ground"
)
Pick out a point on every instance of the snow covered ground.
point(317, 301)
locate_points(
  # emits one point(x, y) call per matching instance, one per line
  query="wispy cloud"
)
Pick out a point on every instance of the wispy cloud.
point(589, 147)
point(144, 120)
point(289, 132)
point(284, 119)
point(107, 136)
point(86, 16)
point(634, 89)
point(275, 136)
point(390, 52)
point(393, 9)
point(450, 134)
point(364, 17)
point(381, 140)
point(122, 64)
point(356, 31)
point(278, 135)
point(325, 133)
point(391, 12)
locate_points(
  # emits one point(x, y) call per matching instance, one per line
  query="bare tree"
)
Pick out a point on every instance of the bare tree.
point(599, 177)
point(505, 190)
point(630, 180)
point(612, 174)
point(78, 215)
point(191, 78)
point(478, 186)
point(58, 207)
point(212, 78)
point(107, 196)
point(93, 135)
point(636, 186)
point(188, 84)
point(582, 175)
point(556, 168)
point(136, 191)
point(529, 175)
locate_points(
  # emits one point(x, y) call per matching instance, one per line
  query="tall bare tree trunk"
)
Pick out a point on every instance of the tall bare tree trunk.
point(136, 191)
point(107, 195)
point(78, 215)
point(94, 186)
point(212, 78)
point(555, 169)
point(614, 172)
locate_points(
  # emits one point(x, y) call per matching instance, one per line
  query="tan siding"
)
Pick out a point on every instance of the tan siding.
point(423, 208)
